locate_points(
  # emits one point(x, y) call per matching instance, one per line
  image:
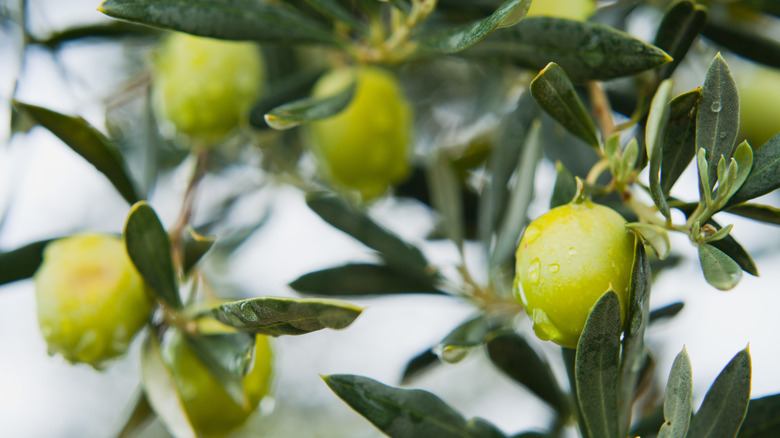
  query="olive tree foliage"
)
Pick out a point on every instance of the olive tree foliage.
point(541, 76)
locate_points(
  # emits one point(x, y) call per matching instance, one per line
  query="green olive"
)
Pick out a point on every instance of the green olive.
point(205, 87)
point(567, 259)
point(759, 92)
point(91, 300)
point(211, 410)
point(366, 146)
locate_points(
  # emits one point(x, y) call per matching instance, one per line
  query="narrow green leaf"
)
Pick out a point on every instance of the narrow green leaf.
point(334, 10)
point(455, 40)
point(285, 316)
point(270, 22)
point(404, 413)
point(228, 358)
point(22, 262)
point(665, 312)
point(733, 249)
point(655, 236)
point(569, 356)
point(464, 338)
point(308, 109)
point(515, 217)
point(743, 156)
point(657, 120)
point(88, 142)
point(762, 420)
point(596, 369)
point(553, 90)
point(361, 279)
point(717, 121)
point(634, 352)
point(764, 177)
point(149, 248)
point(446, 197)
point(392, 248)
point(680, 26)
point(750, 42)
point(759, 212)
point(513, 355)
point(565, 186)
point(294, 86)
point(679, 141)
point(418, 364)
point(195, 247)
point(677, 403)
point(725, 405)
point(586, 50)
point(719, 269)
point(161, 391)
point(139, 418)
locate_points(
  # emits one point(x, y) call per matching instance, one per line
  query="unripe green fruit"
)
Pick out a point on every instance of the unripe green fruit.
point(759, 92)
point(366, 146)
point(578, 10)
point(91, 300)
point(204, 86)
point(567, 259)
point(211, 410)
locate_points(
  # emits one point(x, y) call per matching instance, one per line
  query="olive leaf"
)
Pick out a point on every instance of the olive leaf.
point(678, 30)
point(284, 316)
point(724, 406)
point(554, 92)
point(290, 115)
point(759, 212)
point(655, 236)
point(678, 400)
point(88, 142)
point(597, 367)
point(764, 177)
point(149, 248)
point(446, 197)
point(586, 50)
point(270, 22)
point(161, 390)
point(22, 262)
point(464, 338)
point(657, 120)
point(666, 312)
point(750, 42)
point(228, 358)
point(334, 10)
point(406, 413)
point(139, 418)
point(679, 140)
point(761, 420)
point(719, 269)
point(418, 364)
point(455, 40)
point(361, 279)
point(194, 247)
point(565, 186)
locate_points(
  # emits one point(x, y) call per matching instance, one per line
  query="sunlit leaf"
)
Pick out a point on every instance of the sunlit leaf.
point(88, 142)
point(719, 269)
point(678, 400)
point(764, 177)
point(149, 248)
point(725, 404)
point(195, 247)
point(513, 355)
point(717, 121)
point(285, 316)
point(679, 141)
point(361, 279)
point(406, 413)
point(455, 40)
point(161, 391)
point(21, 263)
point(308, 109)
point(553, 90)
point(585, 50)
point(597, 367)
point(733, 249)
point(264, 21)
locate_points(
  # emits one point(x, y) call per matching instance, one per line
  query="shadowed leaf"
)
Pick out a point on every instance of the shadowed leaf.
point(361, 279)
point(21, 263)
point(679, 140)
point(762, 420)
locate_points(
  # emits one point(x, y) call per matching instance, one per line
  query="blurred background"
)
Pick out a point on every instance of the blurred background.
point(47, 191)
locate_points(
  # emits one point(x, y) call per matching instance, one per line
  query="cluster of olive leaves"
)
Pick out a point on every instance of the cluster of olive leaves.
point(611, 366)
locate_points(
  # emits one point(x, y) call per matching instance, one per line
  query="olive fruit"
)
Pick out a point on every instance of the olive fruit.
point(567, 259)
point(205, 87)
point(211, 410)
point(91, 300)
point(759, 92)
point(578, 10)
point(366, 146)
